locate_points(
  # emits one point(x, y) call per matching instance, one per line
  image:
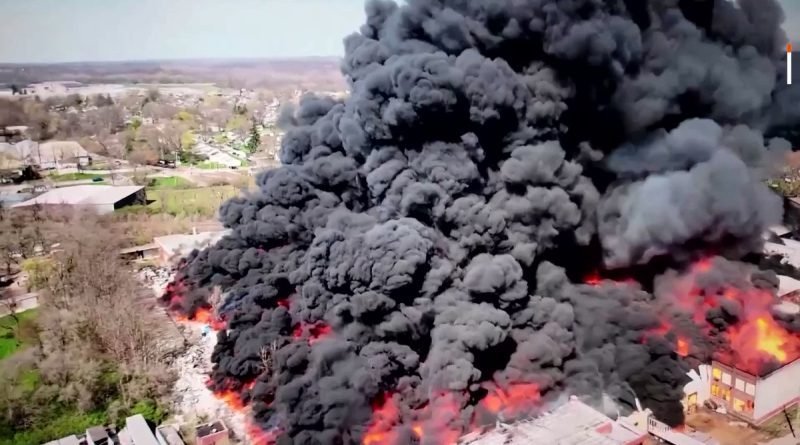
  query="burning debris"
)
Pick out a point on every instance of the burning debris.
point(417, 264)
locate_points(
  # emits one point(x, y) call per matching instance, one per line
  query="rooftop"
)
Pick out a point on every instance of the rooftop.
point(210, 428)
point(139, 431)
point(573, 423)
point(170, 435)
point(767, 369)
point(83, 195)
point(183, 244)
point(97, 434)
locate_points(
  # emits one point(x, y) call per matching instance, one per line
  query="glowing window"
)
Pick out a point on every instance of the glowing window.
point(750, 389)
point(738, 404)
point(716, 373)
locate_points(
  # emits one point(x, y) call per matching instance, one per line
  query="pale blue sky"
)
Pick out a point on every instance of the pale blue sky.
point(102, 30)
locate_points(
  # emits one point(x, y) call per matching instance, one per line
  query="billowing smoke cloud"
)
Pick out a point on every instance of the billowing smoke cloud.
point(424, 242)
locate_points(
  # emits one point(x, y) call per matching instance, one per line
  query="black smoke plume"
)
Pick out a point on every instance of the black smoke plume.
point(436, 224)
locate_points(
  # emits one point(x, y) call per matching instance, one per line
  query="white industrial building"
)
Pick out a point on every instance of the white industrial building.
point(753, 398)
point(47, 155)
point(100, 198)
point(572, 423)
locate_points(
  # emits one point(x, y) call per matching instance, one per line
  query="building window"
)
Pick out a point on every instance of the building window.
point(738, 404)
point(721, 391)
point(750, 389)
point(740, 384)
point(726, 379)
point(716, 373)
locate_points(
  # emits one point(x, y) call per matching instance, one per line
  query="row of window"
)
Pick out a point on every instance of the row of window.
point(739, 384)
point(724, 393)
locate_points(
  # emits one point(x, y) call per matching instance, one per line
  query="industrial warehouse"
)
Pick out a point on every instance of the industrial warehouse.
point(99, 198)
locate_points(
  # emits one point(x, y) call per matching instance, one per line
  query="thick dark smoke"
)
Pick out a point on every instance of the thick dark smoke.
point(438, 221)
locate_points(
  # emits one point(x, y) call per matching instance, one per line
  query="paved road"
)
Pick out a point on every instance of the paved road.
point(23, 303)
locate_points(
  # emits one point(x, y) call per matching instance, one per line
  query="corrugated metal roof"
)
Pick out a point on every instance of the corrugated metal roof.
point(573, 423)
point(83, 195)
point(139, 431)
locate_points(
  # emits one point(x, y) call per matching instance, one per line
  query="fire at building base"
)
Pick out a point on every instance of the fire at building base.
point(422, 251)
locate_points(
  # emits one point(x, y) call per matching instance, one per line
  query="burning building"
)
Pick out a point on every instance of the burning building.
point(570, 423)
point(755, 398)
point(418, 263)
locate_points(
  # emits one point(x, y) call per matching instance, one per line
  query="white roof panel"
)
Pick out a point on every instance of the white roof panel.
point(83, 195)
point(573, 423)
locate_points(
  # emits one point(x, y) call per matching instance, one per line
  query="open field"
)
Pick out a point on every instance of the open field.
point(169, 182)
point(198, 201)
point(13, 338)
point(73, 176)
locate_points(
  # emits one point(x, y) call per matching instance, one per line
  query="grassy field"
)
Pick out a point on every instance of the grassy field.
point(79, 176)
point(13, 338)
point(169, 182)
point(197, 201)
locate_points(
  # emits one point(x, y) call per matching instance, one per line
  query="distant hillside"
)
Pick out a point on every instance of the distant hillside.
point(312, 73)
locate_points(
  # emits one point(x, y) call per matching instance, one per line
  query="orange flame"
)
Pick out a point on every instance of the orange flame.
point(682, 348)
point(755, 340)
point(439, 420)
point(258, 436)
point(313, 332)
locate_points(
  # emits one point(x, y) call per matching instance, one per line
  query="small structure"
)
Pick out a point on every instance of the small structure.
point(100, 198)
point(98, 435)
point(143, 252)
point(174, 247)
point(214, 433)
point(571, 423)
point(169, 435)
point(217, 155)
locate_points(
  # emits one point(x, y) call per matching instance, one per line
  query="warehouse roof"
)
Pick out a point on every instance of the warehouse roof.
point(184, 244)
point(573, 423)
point(83, 195)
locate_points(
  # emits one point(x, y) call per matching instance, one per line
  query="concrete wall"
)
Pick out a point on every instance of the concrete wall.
point(777, 390)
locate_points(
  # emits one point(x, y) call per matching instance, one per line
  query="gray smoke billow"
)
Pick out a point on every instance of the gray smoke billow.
point(439, 219)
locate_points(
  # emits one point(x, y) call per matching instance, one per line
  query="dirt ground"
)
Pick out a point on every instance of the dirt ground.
point(726, 430)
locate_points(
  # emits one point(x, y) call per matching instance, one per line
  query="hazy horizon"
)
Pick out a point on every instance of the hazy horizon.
point(88, 31)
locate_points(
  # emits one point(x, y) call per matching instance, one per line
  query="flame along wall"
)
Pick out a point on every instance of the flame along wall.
point(755, 398)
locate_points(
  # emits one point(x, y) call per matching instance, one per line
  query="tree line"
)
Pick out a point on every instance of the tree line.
point(97, 349)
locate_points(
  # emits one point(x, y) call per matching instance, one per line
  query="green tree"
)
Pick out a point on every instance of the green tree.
point(188, 140)
point(254, 141)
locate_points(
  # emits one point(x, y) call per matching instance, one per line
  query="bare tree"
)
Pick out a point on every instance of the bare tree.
point(267, 353)
point(8, 308)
